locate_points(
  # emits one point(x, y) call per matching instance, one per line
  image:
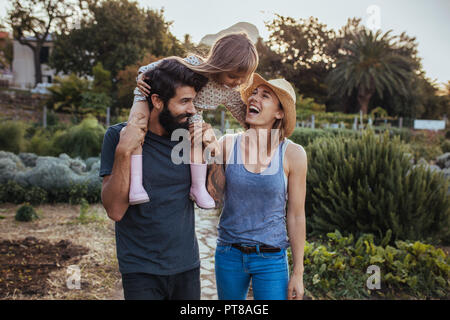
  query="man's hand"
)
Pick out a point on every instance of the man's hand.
point(143, 86)
point(295, 287)
point(132, 136)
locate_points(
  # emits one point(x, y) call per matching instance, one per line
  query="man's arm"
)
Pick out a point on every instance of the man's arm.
point(116, 186)
point(296, 222)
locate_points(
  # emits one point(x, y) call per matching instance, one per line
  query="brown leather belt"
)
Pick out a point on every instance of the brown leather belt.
point(252, 249)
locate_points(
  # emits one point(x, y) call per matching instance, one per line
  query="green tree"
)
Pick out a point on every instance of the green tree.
point(67, 94)
point(371, 63)
point(32, 21)
point(301, 51)
point(116, 33)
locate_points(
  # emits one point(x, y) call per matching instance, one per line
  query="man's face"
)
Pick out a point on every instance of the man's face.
point(178, 110)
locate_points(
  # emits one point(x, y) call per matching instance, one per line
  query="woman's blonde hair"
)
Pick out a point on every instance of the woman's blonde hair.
point(279, 124)
point(234, 52)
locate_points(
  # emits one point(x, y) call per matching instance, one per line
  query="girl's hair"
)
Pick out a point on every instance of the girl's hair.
point(234, 52)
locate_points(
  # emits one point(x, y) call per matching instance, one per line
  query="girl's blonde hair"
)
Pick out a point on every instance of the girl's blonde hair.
point(234, 52)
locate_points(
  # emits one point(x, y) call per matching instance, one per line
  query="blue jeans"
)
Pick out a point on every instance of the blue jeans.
point(268, 271)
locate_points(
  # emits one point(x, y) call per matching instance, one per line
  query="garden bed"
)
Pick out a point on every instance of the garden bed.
point(35, 256)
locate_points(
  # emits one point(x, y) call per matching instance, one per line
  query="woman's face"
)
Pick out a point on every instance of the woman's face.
point(263, 107)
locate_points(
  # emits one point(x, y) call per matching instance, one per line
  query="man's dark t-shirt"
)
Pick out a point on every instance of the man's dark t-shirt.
point(157, 237)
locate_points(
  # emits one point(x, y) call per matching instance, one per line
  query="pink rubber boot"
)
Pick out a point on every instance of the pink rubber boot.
point(137, 192)
point(198, 191)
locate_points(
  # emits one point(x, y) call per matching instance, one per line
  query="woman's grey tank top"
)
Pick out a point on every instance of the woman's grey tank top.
point(254, 209)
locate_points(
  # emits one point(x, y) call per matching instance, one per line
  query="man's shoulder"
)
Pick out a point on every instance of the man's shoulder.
point(112, 134)
point(116, 127)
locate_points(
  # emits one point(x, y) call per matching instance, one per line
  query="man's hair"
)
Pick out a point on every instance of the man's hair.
point(168, 75)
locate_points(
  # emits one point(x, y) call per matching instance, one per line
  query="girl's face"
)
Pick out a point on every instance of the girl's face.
point(232, 79)
point(263, 107)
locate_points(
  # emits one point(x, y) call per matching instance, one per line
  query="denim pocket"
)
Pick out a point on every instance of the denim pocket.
point(223, 248)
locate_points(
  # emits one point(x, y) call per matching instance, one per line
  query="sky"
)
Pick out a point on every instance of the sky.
point(427, 20)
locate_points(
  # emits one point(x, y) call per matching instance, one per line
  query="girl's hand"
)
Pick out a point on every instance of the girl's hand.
point(296, 289)
point(143, 86)
point(132, 136)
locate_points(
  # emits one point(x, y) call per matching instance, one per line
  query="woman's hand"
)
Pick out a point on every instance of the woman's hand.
point(143, 86)
point(295, 287)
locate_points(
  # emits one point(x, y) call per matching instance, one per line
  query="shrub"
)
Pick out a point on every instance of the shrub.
point(83, 140)
point(41, 143)
point(335, 268)
point(12, 192)
point(368, 185)
point(305, 136)
point(26, 213)
point(445, 146)
point(48, 179)
point(35, 195)
point(12, 136)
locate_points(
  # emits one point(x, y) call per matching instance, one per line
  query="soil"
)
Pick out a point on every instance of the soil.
point(48, 246)
point(25, 264)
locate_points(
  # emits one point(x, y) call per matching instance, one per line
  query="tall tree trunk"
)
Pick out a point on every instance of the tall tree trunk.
point(37, 65)
point(364, 99)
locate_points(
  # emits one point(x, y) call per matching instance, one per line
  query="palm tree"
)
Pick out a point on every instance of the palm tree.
point(370, 62)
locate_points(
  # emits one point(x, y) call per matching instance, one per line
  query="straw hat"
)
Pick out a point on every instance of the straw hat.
point(285, 93)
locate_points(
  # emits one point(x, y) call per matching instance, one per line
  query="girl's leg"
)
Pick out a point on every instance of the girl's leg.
point(137, 193)
point(232, 280)
point(198, 191)
point(270, 275)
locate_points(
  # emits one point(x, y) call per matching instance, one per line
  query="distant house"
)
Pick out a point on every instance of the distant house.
point(23, 64)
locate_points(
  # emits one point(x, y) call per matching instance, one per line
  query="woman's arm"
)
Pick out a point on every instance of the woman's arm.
point(296, 222)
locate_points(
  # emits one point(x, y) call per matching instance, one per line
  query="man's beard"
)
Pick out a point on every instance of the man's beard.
point(171, 123)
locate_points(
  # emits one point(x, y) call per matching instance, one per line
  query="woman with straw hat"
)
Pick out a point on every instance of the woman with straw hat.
point(261, 168)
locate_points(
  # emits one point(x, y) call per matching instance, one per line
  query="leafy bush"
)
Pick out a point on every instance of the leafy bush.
point(12, 192)
point(25, 213)
point(83, 140)
point(368, 185)
point(15, 193)
point(41, 143)
point(12, 136)
point(445, 146)
point(48, 179)
point(304, 136)
point(66, 94)
point(335, 268)
point(425, 144)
